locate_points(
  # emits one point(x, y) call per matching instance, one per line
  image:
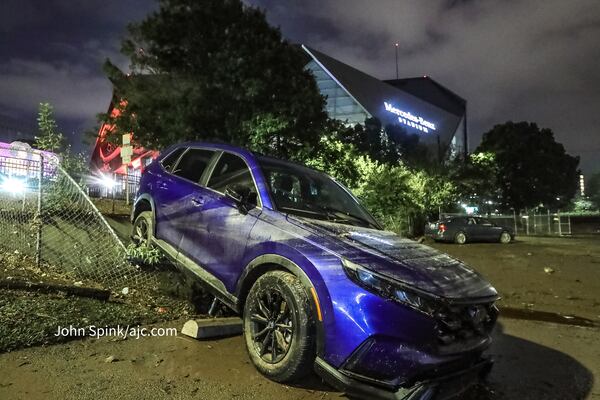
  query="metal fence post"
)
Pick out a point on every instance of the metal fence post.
point(127, 184)
point(559, 224)
point(515, 220)
point(549, 224)
point(38, 241)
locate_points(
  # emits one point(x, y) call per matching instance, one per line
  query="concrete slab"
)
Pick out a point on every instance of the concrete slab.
point(212, 328)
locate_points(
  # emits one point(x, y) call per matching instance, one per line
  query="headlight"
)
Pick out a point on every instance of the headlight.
point(388, 288)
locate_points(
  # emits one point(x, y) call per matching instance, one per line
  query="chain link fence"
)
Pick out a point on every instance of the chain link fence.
point(553, 224)
point(46, 215)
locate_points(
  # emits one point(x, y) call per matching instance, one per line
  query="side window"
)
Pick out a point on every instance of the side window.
point(169, 161)
point(231, 170)
point(193, 163)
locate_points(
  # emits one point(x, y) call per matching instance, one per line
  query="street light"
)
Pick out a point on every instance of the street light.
point(13, 185)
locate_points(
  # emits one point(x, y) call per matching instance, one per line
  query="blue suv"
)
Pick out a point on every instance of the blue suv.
point(317, 281)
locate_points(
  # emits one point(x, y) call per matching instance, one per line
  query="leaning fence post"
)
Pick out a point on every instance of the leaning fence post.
point(38, 241)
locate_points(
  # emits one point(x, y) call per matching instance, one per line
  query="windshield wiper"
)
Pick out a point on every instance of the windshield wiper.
point(335, 212)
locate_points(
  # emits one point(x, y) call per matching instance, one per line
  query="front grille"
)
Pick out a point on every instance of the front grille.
point(464, 325)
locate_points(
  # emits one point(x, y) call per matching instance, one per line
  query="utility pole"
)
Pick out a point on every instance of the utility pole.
point(397, 44)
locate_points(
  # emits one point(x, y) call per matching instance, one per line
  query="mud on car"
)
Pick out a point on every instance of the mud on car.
point(318, 282)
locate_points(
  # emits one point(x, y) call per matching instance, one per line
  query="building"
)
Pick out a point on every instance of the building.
point(420, 105)
point(106, 155)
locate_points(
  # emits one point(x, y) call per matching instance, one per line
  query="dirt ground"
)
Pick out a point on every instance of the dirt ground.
point(559, 275)
point(534, 360)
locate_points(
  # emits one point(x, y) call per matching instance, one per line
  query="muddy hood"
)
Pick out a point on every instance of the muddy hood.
point(409, 262)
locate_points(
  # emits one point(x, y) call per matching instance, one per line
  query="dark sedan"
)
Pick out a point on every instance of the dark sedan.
point(468, 229)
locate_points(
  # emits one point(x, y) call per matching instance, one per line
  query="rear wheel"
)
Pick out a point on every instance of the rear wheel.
point(278, 327)
point(505, 237)
point(460, 238)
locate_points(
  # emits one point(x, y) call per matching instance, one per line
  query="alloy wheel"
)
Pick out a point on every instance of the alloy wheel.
point(460, 238)
point(272, 328)
point(140, 231)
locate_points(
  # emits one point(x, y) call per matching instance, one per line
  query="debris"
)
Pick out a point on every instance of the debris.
point(548, 270)
point(125, 291)
point(161, 310)
point(110, 359)
point(78, 283)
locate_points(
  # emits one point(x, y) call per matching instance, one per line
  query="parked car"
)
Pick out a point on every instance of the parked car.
point(468, 229)
point(318, 283)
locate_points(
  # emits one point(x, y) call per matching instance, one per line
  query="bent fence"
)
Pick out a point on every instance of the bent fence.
point(46, 215)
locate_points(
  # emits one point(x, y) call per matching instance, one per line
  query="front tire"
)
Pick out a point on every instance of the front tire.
point(460, 238)
point(279, 328)
point(143, 229)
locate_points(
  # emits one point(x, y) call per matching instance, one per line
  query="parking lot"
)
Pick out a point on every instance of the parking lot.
point(535, 359)
point(552, 274)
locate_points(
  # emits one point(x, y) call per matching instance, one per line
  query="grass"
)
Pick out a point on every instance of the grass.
point(29, 318)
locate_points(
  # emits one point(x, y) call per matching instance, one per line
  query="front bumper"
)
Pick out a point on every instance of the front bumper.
point(445, 387)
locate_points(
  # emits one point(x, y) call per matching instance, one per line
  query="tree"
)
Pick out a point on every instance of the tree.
point(215, 70)
point(592, 189)
point(533, 168)
point(390, 144)
point(476, 180)
point(50, 138)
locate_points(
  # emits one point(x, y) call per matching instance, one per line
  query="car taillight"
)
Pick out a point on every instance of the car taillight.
point(442, 228)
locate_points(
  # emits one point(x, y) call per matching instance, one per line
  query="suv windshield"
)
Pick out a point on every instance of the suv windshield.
point(307, 193)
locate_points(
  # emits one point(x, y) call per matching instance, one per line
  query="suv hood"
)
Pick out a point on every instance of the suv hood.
point(407, 261)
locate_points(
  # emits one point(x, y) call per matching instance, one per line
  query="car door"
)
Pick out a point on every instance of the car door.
point(217, 232)
point(472, 230)
point(176, 194)
point(489, 230)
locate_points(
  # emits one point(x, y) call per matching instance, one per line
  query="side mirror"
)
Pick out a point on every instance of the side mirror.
point(241, 195)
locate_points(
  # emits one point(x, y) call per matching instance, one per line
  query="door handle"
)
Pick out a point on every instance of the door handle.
point(198, 202)
point(162, 185)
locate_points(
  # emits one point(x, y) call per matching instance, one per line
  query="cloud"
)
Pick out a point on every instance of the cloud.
point(512, 59)
point(74, 90)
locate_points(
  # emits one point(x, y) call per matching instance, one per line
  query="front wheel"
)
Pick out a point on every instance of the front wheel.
point(143, 229)
point(505, 238)
point(278, 327)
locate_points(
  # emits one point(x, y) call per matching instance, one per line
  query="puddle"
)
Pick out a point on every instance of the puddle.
point(532, 315)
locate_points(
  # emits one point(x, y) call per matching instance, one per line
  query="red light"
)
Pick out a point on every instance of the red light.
point(442, 228)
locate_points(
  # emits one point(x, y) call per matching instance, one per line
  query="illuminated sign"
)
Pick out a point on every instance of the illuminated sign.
point(408, 119)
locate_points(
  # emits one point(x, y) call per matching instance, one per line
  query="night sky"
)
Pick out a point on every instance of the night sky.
point(535, 60)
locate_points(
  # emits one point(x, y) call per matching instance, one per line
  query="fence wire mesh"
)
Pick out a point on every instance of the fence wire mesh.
point(46, 215)
point(529, 223)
